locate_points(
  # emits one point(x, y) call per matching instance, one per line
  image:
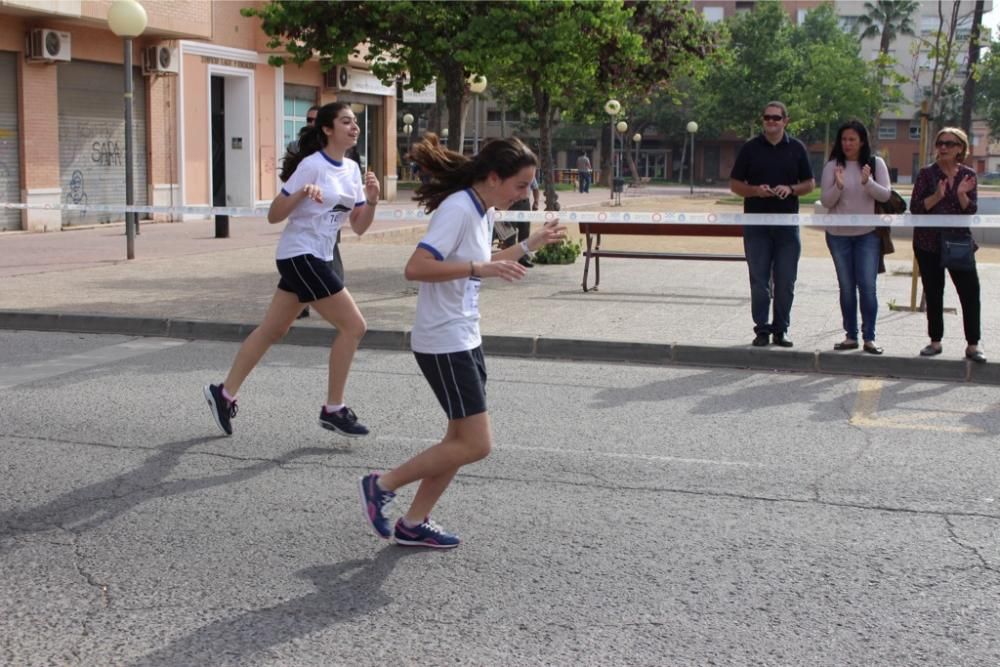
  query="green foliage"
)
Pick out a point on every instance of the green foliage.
point(428, 39)
point(988, 88)
point(563, 252)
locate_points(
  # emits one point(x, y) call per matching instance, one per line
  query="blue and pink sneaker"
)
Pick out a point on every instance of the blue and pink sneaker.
point(374, 501)
point(426, 534)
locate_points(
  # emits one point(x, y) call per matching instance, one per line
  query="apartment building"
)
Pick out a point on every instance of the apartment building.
point(211, 116)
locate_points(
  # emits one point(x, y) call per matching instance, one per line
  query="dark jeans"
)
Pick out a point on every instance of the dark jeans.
point(772, 252)
point(523, 228)
point(585, 177)
point(856, 260)
point(967, 286)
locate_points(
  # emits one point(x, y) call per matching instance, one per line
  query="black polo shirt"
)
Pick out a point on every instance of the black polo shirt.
point(785, 163)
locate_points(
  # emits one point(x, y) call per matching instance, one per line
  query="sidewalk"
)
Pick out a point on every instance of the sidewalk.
point(187, 284)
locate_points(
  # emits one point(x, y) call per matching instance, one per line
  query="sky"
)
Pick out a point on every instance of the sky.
point(992, 19)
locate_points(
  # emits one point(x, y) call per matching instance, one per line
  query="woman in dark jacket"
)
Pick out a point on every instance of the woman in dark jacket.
point(946, 187)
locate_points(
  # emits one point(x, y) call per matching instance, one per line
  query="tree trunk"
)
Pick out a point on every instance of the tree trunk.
point(606, 154)
point(543, 107)
point(969, 94)
point(455, 92)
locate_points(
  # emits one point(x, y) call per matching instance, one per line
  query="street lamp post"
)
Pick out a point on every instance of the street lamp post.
point(636, 138)
point(127, 19)
point(477, 85)
point(622, 128)
point(408, 130)
point(692, 127)
point(612, 107)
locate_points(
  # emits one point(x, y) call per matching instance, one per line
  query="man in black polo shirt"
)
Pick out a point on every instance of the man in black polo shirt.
point(771, 172)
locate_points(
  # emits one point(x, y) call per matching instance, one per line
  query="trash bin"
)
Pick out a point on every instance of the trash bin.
point(618, 185)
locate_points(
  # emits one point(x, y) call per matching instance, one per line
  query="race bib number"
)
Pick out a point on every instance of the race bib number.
point(470, 303)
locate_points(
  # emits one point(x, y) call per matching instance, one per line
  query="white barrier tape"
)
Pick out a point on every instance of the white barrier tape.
point(573, 217)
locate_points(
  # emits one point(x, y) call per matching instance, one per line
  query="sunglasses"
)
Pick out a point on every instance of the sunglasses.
point(772, 117)
point(947, 144)
point(310, 119)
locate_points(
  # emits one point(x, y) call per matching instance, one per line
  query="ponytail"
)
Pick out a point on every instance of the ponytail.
point(451, 171)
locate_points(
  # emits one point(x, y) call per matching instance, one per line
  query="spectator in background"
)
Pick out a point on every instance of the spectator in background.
point(524, 228)
point(947, 187)
point(585, 171)
point(771, 172)
point(853, 180)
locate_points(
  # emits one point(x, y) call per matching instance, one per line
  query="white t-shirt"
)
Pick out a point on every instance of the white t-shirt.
point(448, 312)
point(312, 227)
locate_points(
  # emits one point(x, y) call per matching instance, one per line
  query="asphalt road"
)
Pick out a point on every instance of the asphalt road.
point(629, 515)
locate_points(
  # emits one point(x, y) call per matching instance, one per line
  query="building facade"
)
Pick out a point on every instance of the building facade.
point(211, 117)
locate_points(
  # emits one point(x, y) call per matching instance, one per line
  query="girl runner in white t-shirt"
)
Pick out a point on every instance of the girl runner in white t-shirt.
point(322, 190)
point(449, 263)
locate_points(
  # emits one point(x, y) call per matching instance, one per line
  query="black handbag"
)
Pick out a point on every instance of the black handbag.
point(895, 205)
point(958, 252)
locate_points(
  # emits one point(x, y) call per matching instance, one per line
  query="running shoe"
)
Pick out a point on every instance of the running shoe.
point(374, 501)
point(223, 409)
point(426, 534)
point(344, 422)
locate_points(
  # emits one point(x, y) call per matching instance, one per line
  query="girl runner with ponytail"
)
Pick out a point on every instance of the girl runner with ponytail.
point(322, 191)
point(450, 263)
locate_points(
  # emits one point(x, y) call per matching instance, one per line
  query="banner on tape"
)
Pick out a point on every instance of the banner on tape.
point(419, 215)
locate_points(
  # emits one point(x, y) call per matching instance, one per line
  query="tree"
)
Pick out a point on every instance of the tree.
point(761, 66)
point(425, 40)
point(887, 20)
point(592, 50)
point(943, 90)
point(969, 92)
point(988, 88)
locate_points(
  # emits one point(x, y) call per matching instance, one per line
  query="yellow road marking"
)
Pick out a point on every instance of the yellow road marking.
point(866, 409)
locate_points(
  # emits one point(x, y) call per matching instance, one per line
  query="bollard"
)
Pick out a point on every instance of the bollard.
point(222, 226)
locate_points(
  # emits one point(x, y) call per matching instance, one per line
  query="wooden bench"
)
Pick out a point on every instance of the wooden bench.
point(594, 231)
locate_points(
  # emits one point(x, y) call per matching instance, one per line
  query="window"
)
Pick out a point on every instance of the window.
point(887, 130)
point(801, 16)
point(849, 23)
point(915, 132)
point(713, 14)
point(494, 116)
point(929, 24)
point(298, 99)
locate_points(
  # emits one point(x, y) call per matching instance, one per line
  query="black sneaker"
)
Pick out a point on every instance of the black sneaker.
point(526, 262)
point(222, 409)
point(344, 422)
point(304, 313)
point(761, 340)
point(781, 341)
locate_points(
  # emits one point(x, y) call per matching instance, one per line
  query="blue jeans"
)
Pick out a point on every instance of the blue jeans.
point(584, 181)
point(856, 260)
point(772, 251)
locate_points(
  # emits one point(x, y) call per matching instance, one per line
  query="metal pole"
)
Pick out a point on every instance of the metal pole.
point(129, 199)
point(691, 169)
point(475, 112)
point(611, 159)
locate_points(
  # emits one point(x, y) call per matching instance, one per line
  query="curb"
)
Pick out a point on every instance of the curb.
point(659, 354)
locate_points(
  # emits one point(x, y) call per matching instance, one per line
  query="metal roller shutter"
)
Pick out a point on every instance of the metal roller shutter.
point(92, 140)
point(10, 165)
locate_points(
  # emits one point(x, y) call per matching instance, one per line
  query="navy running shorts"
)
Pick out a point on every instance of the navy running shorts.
point(458, 380)
point(309, 277)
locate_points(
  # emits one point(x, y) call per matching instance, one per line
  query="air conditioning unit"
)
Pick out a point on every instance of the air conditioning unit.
point(47, 45)
point(337, 77)
point(159, 60)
